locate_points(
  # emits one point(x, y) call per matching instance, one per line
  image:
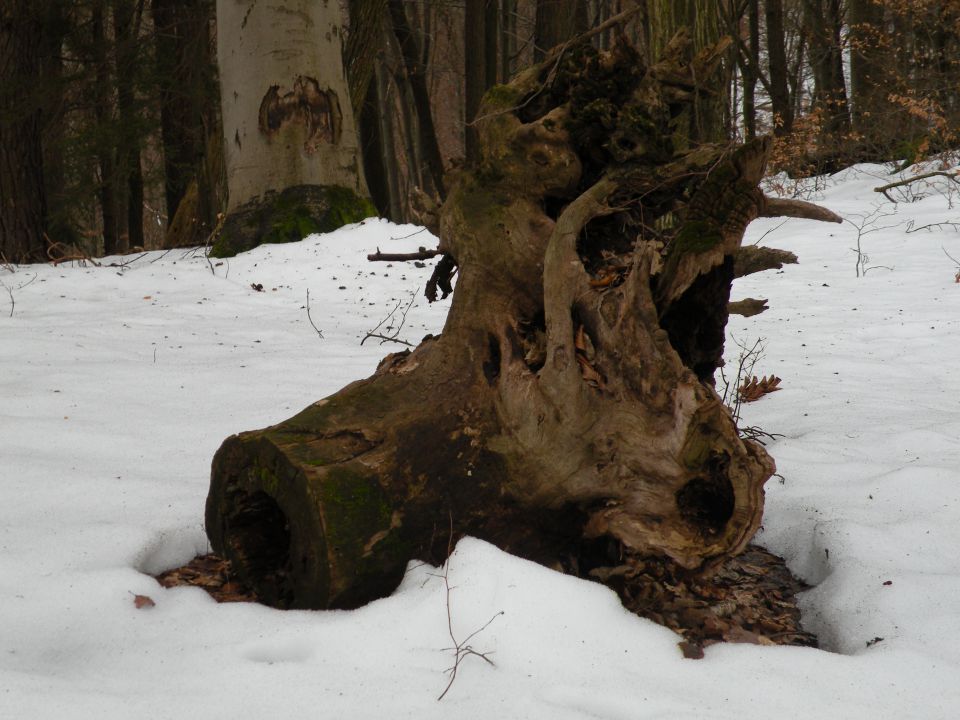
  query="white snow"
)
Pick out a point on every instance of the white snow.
point(117, 385)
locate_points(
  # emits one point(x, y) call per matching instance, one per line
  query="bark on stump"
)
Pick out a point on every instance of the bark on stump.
point(569, 399)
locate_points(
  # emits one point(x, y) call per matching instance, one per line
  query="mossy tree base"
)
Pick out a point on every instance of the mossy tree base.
point(289, 216)
point(569, 402)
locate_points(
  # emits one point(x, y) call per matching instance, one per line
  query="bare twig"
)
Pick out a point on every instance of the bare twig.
point(319, 331)
point(10, 291)
point(746, 362)
point(422, 254)
point(13, 302)
point(932, 226)
point(404, 237)
point(394, 335)
point(461, 649)
point(865, 226)
point(125, 263)
point(956, 277)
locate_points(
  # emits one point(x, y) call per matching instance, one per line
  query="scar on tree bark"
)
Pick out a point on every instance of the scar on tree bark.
point(567, 412)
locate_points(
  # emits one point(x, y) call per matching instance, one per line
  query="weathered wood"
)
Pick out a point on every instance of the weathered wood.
point(757, 258)
point(569, 400)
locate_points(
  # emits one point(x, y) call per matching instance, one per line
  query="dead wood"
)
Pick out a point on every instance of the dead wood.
point(748, 307)
point(757, 258)
point(569, 400)
point(951, 176)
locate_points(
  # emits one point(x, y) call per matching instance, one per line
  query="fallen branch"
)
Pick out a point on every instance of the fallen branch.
point(952, 176)
point(786, 207)
point(421, 254)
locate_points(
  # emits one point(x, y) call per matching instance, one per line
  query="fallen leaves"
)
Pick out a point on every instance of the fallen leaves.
point(212, 573)
point(585, 354)
point(755, 388)
point(751, 598)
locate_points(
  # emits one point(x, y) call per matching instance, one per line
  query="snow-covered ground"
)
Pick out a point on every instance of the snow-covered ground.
point(117, 385)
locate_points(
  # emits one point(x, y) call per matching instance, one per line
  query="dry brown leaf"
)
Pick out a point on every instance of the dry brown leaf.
point(589, 373)
point(143, 601)
point(755, 388)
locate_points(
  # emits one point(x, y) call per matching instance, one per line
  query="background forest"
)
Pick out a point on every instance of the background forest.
point(110, 118)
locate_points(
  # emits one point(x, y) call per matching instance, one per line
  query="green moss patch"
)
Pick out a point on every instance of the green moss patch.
point(289, 216)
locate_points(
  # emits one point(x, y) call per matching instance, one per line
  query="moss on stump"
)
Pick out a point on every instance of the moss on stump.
point(290, 215)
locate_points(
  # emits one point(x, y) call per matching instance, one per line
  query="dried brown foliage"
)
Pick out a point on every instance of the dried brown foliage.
point(755, 388)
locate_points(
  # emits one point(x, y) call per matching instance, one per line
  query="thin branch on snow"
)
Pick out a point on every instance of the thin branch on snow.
point(393, 336)
point(461, 649)
point(319, 331)
point(421, 254)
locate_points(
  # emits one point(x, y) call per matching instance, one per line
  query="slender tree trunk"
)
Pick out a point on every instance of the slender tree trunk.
point(374, 168)
point(777, 63)
point(474, 70)
point(103, 114)
point(416, 74)
point(388, 136)
point(22, 191)
point(508, 37)
point(187, 92)
point(751, 68)
point(291, 148)
point(126, 20)
point(824, 20)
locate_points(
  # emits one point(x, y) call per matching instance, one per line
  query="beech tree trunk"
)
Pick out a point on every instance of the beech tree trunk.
point(569, 401)
point(291, 148)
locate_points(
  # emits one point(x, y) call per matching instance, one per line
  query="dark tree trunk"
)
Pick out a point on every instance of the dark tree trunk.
point(187, 93)
point(751, 68)
point(103, 114)
point(126, 21)
point(22, 191)
point(777, 59)
point(371, 146)
point(475, 78)
point(569, 400)
point(824, 20)
point(416, 72)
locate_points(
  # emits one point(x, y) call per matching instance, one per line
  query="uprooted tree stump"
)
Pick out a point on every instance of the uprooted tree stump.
point(569, 402)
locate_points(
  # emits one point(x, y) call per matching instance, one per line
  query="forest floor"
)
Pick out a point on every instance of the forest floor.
point(119, 381)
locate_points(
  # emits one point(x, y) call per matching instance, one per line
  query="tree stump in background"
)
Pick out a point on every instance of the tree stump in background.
point(569, 403)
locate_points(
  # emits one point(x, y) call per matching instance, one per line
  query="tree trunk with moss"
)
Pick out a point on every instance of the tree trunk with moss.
point(290, 141)
point(568, 405)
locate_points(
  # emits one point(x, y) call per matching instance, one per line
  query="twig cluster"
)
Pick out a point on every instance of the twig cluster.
point(746, 362)
point(867, 224)
point(461, 649)
point(392, 331)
